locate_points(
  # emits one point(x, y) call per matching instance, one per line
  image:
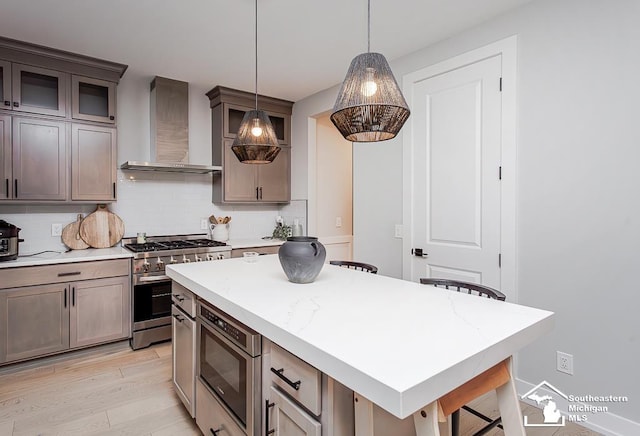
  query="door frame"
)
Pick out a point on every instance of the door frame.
point(507, 49)
point(312, 188)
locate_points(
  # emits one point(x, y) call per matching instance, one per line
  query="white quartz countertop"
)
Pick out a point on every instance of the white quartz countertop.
point(400, 344)
point(254, 242)
point(87, 255)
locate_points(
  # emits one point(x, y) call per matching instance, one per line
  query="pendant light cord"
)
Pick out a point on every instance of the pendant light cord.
point(256, 87)
point(368, 26)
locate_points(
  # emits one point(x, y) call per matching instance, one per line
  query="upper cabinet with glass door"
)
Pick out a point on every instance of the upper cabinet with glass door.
point(39, 90)
point(5, 85)
point(93, 99)
point(234, 113)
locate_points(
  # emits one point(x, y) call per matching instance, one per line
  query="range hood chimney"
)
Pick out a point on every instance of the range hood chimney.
point(169, 130)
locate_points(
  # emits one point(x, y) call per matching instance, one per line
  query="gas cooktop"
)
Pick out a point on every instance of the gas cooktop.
point(173, 245)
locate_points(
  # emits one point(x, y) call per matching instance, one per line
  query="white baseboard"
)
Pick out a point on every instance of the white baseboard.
point(606, 423)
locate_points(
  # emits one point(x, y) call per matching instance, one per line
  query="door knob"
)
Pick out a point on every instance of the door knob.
point(418, 252)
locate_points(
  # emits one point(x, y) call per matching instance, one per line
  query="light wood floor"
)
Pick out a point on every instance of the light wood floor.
point(114, 390)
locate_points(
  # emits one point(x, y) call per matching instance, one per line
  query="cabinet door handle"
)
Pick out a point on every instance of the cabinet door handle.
point(6, 186)
point(279, 372)
point(15, 188)
point(178, 318)
point(111, 117)
point(215, 432)
point(65, 297)
point(7, 103)
point(257, 196)
point(114, 189)
point(73, 296)
point(179, 297)
point(260, 192)
point(16, 104)
point(268, 406)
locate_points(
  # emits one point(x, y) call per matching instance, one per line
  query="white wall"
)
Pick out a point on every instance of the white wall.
point(155, 203)
point(577, 201)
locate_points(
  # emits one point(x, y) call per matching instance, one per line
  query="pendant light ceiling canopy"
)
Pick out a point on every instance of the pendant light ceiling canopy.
point(256, 141)
point(370, 106)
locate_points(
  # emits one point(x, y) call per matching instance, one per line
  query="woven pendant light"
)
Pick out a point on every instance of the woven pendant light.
point(256, 141)
point(370, 106)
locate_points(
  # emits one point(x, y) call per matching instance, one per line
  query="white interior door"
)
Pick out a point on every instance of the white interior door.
point(455, 146)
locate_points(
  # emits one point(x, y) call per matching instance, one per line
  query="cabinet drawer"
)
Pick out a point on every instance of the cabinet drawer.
point(285, 365)
point(183, 298)
point(63, 272)
point(211, 417)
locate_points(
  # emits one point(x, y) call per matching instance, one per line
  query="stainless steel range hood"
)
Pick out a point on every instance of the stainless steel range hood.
point(169, 131)
point(169, 167)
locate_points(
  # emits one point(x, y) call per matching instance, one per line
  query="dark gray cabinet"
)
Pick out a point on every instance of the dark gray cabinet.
point(6, 177)
point(39, 90)
point(48, 314)
point(5, 85)
point(39, 159)
point(93, 99)
point(37, 322)
point(93, 162)
point(245, 183)
point(58, 139)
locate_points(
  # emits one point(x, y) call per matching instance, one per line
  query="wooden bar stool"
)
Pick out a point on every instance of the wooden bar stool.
point(451, 403)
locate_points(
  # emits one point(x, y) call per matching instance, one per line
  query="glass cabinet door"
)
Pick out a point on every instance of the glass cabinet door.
point(5, 85)
point(233, 117)
point(38, 90)
point(93, 99)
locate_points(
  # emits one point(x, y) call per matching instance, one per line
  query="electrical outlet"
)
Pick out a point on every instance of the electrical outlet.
point(56, 229)
point(203, 224)
point(564, 362)
point(398, 231)
point(338, 221)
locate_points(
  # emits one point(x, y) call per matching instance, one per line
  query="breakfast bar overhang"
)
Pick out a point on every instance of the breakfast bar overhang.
point(397, 344)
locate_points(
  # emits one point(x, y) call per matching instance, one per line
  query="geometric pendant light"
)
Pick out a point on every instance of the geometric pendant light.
point(256, 141)
point(370, 106)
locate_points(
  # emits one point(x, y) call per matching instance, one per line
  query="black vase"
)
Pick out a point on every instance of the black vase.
point(302, 258)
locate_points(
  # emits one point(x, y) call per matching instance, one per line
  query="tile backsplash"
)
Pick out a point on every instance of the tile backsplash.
point(155, 203)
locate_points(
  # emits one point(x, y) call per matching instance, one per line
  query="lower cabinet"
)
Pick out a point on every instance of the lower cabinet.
point(301, 400)
point(183, 342)
point(99, 311)
point(288, 419)
point(47, 318)
point(35, 321)
point(211, 418)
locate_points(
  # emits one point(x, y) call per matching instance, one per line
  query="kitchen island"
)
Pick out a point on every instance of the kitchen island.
point(397, 344)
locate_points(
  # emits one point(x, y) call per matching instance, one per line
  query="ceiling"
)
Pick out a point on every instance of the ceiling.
point(303, 46)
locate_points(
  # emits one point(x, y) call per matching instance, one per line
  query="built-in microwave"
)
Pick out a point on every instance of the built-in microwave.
point(229, 364)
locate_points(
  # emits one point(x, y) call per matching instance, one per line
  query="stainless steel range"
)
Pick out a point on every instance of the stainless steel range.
point(152, 287)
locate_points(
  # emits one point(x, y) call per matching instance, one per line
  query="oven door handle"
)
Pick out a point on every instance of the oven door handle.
point(153, 279)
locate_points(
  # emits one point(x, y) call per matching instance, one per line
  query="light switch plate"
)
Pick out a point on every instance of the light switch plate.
point(398, 231)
